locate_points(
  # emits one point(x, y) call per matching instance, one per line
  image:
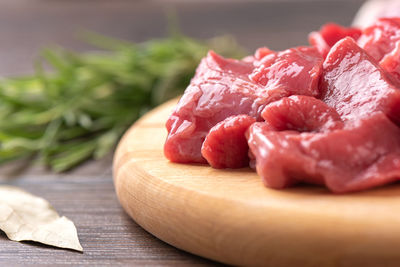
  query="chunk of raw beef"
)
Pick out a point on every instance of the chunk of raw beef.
point(362, 155)
point(356, 86)
point(329, 35)
point(293, 71)
point(301, 113)
point(380, 38)
point(391, 62)
point(225, 145)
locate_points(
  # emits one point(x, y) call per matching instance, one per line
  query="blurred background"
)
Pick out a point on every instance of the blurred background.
point(26, 26)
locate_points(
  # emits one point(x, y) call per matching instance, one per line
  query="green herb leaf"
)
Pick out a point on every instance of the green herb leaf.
point(80, 107)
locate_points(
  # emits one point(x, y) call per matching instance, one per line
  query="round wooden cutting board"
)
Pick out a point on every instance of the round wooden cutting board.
point(229, 216)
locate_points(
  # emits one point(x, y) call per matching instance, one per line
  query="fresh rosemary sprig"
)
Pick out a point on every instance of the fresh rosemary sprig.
point(80, 107)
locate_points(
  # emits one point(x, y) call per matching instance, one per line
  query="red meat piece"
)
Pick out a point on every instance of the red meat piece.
point(362, 155)
point(380, 38)
point(225, 145)
point(222, 88)
point(391, 62)
point(293, 71)
point(262, 52)
point(355, 85)
point(301, 113)
point(258, 55)
point(329, 35)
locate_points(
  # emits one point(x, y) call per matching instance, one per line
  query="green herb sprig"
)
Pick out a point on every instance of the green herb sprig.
point(79, 107)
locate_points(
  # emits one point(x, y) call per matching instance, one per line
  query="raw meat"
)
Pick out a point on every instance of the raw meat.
point(301, 113)
point(380, 38)
point(293, 71)
point(329, 35)
point(356, 86)
point(325, 115)
point(225, 145)
point(364, 154)
point(222, 88)
point(391, 62)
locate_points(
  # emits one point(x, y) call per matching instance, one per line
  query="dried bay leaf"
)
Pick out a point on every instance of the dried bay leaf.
point(25, 217)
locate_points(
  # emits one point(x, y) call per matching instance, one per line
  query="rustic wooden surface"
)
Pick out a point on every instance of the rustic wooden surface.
point(86, 195)
point(229, 216)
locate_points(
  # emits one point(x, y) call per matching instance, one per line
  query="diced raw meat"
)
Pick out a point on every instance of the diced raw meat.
point(301, 113)
point(331, 112)
point(380, 38)
point(356, 86)
point(364, 154)
point(293, 71)
point(258, 55)
point(222, 88)
point(262, 52)
point(226, 146)
point(391, 62)
point(278, 157)
point(329, 35)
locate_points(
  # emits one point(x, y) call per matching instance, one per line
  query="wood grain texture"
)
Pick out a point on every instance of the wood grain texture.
point(108, 236)
point(229, 216)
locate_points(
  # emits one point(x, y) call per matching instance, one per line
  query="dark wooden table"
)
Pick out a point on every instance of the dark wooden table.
point(86, 195)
